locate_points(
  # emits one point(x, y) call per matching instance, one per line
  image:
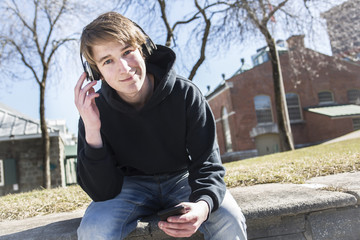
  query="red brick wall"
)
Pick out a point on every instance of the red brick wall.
point(305, 72)
point(221, 100)
point(321, 128)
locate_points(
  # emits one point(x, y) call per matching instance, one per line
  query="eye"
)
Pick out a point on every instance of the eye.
point(127, 52)
point(108, 62)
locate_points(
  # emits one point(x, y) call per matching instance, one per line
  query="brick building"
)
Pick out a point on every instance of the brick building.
point(21, 159)
point(323, 97)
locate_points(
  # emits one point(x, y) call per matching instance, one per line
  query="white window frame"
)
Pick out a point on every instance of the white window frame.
point(2, 173)
point(326, 102)
point(356, 123)
point(268, 100)
point(298, 107)
point(353, 101)
point(227, 130)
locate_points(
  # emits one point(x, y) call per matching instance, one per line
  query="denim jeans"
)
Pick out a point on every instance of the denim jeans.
point(143, 196)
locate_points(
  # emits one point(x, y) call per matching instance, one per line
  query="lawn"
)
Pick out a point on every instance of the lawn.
point(296, 166)
point(287, 167)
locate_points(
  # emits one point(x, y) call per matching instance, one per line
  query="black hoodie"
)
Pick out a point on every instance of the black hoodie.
point(174, 131)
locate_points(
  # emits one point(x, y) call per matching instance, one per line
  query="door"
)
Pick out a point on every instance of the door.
point(267, 144)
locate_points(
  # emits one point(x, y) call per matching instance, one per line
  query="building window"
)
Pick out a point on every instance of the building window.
point(2, 183)
point(293, 105)
point(325, 97)
point(354, 96)
point(356, 123)
point(227, 131)
point(263, 109)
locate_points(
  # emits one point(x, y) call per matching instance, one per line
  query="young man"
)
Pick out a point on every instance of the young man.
point(146, 141)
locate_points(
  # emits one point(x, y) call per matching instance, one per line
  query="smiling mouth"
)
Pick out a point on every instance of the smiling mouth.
point(129, 78)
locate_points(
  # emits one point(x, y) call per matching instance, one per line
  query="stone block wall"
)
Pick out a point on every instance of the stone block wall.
point(27, 154)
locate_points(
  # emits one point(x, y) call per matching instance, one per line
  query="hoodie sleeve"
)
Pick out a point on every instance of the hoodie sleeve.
point(206, 171)
point(97, 173)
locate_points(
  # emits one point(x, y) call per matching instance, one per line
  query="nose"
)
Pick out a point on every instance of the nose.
point(123, 66)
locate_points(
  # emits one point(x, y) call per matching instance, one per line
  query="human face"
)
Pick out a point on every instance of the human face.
point(123, 68)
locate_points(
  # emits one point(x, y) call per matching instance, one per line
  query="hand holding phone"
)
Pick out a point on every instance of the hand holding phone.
point(174, 211)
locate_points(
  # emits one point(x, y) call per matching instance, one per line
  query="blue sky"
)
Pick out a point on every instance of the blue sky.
point(23, 96)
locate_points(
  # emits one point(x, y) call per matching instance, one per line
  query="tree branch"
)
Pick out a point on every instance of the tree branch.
point(56, 46)
point(23, 59)
point(169, 30)
point(52, 24)
point(204, 40)
point(274, 10)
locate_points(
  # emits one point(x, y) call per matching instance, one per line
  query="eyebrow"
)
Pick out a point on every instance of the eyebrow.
point(103, 58)
point(107, 56)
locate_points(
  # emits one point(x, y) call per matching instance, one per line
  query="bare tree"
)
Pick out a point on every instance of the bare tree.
point(31, 34)
point(201, 10)
point(197, 21)
point(244, 18)
point(238, 21)
point(263, 18)
point(260, 14)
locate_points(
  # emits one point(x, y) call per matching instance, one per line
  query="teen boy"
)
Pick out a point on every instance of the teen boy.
point(146, 140)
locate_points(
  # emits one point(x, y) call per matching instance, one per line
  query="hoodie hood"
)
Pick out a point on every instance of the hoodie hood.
point(160, 63)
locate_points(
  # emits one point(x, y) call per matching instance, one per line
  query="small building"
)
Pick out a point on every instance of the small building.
point(21, 159)
point(322, 94)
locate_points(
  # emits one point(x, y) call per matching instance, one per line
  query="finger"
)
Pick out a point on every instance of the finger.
point(90, 101)
point(180, 226)
point(178, 229)
point(91, 90)
point(178, 232)
point(79, 84)
point(184, 218)
point(84, 92)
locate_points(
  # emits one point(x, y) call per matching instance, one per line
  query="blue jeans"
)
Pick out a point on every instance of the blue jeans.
point(143, 196)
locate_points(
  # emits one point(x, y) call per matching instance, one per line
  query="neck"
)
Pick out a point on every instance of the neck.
point(139, 100)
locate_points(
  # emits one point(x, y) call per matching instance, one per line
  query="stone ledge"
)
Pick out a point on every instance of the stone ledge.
point(59, 226)
point(299, 212)
point(148, 229)
point(273, 211)
point(269, 200)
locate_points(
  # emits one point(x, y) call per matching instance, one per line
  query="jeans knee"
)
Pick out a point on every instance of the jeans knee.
point(92, 228)
point(226, 222)
point(86, 229)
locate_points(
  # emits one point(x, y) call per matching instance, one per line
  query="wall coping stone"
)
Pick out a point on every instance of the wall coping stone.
point(259, 202)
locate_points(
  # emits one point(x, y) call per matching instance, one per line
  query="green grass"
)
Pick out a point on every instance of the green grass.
point(41, 202)
point(295, 166)
point(287, 167)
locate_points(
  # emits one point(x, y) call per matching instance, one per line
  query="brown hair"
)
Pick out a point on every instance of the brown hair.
point(110, 26)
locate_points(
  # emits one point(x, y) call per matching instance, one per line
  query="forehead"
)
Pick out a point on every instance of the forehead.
point(107, 48)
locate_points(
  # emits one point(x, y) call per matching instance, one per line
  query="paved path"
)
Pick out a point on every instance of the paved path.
point(348, 136)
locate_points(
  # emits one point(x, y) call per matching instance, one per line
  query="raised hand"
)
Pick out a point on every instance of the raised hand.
point(89, 112)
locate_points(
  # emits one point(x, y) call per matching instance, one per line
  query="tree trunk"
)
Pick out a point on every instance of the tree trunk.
point(45, 140)
point(286, 139)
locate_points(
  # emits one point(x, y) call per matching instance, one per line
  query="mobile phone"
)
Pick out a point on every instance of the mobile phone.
point(173, 211)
